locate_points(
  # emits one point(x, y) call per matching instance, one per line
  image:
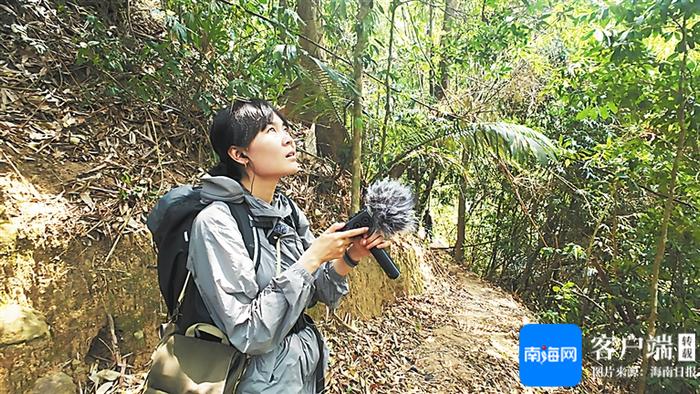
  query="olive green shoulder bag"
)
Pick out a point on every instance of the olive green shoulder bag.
point(190, 364)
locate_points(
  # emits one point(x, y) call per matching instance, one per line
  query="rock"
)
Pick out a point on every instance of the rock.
point(20, 324)
point(8, 235)
point(56, 383)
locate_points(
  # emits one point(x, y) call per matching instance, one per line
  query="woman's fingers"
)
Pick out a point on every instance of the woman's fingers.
point(367, 239)
point(384, 244)
point(375, 243)
point(352, 233)
point(373, 240)
point(334, 227)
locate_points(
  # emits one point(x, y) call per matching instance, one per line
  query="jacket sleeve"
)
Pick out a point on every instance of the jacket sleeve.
point(330, 286)
point(254, 321)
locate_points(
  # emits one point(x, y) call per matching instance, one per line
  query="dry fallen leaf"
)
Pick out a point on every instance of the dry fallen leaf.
point(85, 197)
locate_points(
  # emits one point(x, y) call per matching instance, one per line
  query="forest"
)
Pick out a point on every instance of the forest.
point(552, 148)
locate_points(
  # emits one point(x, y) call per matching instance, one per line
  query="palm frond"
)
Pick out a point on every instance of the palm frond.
point(512, 140)
point(505, 139)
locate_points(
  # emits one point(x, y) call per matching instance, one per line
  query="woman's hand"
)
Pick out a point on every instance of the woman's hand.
point(329, 246)
point(361, 248)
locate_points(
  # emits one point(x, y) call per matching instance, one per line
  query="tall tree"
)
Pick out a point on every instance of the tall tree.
point(440, 87)
point(461, 213)
point(308, 92)
point(387, 81)
point(358, 124)
point(309, 13)
point(668, 208)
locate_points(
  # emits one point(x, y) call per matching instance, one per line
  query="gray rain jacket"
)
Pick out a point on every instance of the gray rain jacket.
point(257, 310)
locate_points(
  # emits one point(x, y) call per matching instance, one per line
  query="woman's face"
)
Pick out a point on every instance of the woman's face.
point(273, 152)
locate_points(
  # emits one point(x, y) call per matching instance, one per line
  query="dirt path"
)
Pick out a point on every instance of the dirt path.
point(477, 348)
point(461, 336)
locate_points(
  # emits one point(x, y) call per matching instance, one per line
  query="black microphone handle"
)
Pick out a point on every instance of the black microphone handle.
point(385, 261)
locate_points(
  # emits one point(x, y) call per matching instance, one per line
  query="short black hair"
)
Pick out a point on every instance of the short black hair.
point(237, 125)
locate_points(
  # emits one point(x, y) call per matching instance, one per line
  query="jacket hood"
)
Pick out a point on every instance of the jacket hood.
point(223, 188)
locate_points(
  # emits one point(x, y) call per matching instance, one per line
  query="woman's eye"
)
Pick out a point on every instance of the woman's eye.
point(270, 129)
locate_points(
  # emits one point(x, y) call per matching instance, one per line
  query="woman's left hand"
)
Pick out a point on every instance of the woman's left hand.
point(361, 248)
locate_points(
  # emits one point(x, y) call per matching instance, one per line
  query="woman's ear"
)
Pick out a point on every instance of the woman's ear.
point(238, 155)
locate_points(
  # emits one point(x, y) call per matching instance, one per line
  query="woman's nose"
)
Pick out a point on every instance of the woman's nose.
point(287, 139)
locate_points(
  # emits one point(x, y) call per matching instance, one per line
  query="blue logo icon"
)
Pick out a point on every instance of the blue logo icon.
point(550, 355)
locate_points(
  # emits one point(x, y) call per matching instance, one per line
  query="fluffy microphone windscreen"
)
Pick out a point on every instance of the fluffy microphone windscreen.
point(392, 206)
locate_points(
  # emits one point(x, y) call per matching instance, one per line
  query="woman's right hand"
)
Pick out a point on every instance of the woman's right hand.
point(329, 246)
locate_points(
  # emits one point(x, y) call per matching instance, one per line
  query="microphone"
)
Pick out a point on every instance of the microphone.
point(389, 209)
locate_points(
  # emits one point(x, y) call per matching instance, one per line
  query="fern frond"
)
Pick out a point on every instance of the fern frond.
point(336, 86)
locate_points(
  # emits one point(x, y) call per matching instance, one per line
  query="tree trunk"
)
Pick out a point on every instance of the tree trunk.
point(461, 215)
point(589, 259)
point(494, 251)
point(387, 84)
point(330, 133)
point(529, 268)
point(308, 12)
point(431, 74)
point(358, 125)
point(511, 248)
point(424, 196)
point(281, 34)
point(396, 171)
point(441, 85)
point(663, 231)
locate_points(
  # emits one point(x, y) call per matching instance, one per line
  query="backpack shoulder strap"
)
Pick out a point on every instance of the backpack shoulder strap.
point(295, 212)
point(241, 212)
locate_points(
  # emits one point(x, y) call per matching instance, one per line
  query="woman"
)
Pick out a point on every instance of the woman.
point(259, 309)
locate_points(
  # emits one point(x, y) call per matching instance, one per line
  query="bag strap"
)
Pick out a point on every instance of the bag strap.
point(197, 329)
point(240, 212)
point(178, 304)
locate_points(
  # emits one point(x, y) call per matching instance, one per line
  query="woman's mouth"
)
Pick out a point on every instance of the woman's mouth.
point(291, 154)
